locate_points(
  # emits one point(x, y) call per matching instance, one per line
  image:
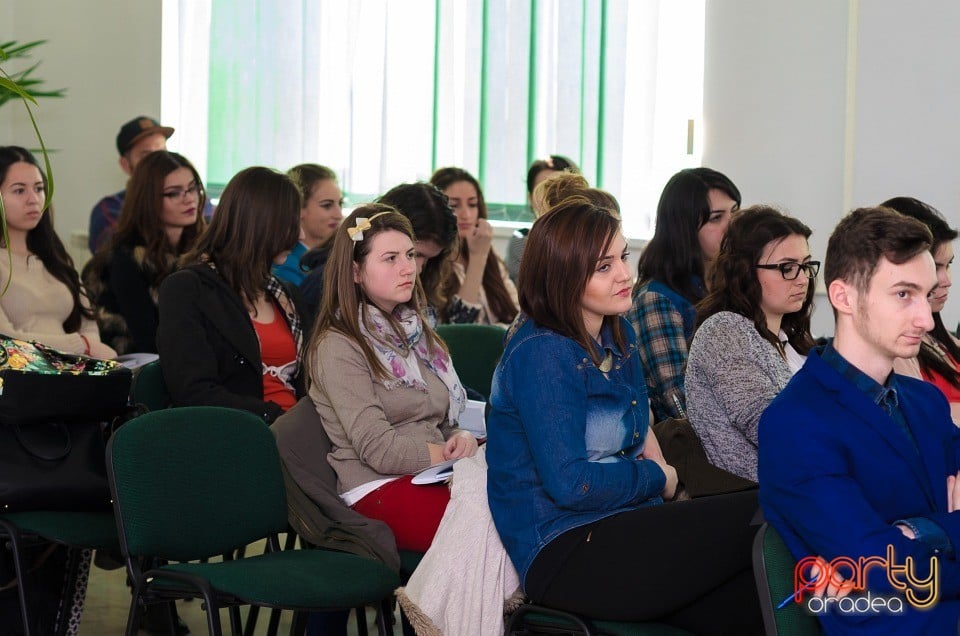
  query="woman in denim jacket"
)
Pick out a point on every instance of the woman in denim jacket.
point(575, 472)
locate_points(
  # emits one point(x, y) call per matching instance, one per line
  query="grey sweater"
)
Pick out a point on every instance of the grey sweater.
point(733, 373)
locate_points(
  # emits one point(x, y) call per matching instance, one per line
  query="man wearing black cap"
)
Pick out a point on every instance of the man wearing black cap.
point(137, 138)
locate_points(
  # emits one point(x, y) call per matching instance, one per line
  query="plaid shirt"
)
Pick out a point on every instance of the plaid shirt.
point(662, 345)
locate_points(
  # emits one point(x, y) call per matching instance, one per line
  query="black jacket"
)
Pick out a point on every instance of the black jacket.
point(209, 351)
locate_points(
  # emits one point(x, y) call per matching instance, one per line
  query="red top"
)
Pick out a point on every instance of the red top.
point(278, 352)
point(952, 392)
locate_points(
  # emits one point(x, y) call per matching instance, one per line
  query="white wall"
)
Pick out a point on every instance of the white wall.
point(824, 105)
point(107, 54)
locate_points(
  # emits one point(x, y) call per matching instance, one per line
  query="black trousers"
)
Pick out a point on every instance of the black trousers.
point(686, 563)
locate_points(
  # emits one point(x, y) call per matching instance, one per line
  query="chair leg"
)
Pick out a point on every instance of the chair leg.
point(298, 626)
point(252, 616)
point(135, 613)
point(235, 623)
point(385, 618)
point(361, 613)
point(213, 616)
point(16, 546)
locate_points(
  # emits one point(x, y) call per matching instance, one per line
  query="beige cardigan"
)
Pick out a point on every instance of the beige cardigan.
point(375, 432)
point(36, 304)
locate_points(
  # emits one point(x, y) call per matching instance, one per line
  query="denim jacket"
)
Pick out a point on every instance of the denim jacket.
point(562, 437)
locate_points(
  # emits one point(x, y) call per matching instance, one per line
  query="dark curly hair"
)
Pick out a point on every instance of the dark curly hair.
point(733, 284)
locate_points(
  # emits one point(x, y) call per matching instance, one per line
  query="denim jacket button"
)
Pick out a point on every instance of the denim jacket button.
point(633, 402)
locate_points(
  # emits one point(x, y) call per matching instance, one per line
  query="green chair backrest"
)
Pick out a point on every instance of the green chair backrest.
point(149, 387)
point(195, 482)
point(475, 350)
point(773, 567)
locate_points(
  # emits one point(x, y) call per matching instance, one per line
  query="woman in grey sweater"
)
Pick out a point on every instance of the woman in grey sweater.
point(753, 334)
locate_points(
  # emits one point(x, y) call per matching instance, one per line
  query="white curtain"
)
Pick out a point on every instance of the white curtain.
point(385, 92)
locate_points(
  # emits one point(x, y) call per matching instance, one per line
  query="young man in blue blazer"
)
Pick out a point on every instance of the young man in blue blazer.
point(858, 465)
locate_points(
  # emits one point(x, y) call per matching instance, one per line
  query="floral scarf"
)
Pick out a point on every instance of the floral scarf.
point(399, 357)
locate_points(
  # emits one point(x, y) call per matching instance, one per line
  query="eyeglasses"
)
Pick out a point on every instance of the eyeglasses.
point(182, 194)
point(790, 271)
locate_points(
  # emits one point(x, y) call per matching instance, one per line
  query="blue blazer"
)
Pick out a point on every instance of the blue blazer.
point(836, 472)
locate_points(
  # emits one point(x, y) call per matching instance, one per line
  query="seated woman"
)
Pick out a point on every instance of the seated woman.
point(539, 171)
point(45, 301)
point(382, 380)
point(320, 216)
point(231, 333)
point(479, 288)
point(435, 228)
point(692, 215)
point(160, 221)
point(754, 333)
point(939, 358)
point(575, 474)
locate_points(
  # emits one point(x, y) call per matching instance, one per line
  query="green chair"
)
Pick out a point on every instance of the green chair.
point(773, 567)
point(535, 619)
point(149, 387)
point(475, 351)
point(95, 530)
point(197, 482)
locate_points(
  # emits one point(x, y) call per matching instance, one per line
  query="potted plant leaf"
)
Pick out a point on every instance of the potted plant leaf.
point(25, 87)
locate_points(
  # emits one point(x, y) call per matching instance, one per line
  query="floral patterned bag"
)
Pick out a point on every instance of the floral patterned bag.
point(54, 410)
point(37, 383)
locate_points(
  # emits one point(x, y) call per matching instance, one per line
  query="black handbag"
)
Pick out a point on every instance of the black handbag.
point(55, 410)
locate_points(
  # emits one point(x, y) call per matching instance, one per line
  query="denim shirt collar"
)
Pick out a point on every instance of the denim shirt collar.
point(607, 343)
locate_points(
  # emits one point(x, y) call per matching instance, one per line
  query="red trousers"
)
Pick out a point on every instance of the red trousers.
point(412, 512)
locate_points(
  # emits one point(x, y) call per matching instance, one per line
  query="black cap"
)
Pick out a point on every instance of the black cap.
point(138, 128)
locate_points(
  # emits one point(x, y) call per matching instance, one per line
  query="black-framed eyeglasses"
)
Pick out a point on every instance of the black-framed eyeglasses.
point(790, 271)
point(178, 193)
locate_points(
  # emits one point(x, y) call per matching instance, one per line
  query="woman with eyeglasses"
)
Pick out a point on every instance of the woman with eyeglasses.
point(160, 221)
point(753, 333)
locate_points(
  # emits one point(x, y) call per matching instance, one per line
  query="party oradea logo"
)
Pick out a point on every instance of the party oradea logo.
point(813, 574)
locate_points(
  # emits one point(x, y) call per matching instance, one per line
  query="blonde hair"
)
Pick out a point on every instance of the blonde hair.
point(558, 187)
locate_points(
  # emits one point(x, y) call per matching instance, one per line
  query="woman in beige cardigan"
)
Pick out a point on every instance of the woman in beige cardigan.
point(382, 380)
point(45, 301)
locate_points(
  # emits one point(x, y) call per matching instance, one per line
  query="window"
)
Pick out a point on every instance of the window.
point(385, 92)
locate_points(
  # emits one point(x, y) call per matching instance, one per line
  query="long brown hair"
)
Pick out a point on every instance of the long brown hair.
point(344, 303)
point(140, 222)
point(929, 358)
point(44, 242)
point(558, 261)
point(674, 256)
point(733, 281)
point(433, 220)
point(497, 295)
point(258, 217)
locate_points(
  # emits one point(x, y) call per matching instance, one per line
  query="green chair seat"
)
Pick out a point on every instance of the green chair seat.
point(149, 388)
point(773, 567)
point(409, 560)
point(97, 530)
point(200, 482)
point(475, 351)
point(290, 578)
